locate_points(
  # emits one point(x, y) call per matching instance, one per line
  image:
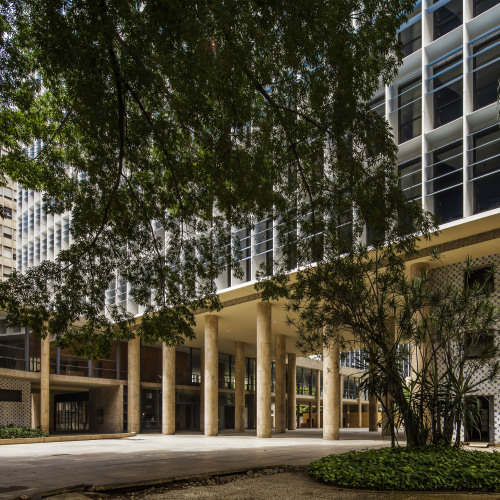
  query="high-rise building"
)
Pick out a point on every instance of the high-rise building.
point(443, 112)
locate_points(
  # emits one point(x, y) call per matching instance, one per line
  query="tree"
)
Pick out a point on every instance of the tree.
point(165, 124)
point(457, 336)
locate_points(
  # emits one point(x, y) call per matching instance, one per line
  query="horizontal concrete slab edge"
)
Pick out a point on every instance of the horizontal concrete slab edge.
point(191, 477)
point(58, 439)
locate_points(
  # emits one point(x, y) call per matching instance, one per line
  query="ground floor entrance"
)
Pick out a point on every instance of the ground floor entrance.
point(71, 412)
point(481, 429)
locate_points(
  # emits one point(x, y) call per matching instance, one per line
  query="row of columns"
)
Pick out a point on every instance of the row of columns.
point(285, 395)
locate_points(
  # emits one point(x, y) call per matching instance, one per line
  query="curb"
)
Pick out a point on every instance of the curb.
point(59, 439)
point(141, 485)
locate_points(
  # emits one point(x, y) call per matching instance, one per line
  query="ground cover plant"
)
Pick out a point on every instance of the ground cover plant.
point(400, 469)
point(12, 432)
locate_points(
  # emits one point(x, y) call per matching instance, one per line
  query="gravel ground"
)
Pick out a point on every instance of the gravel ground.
point(273, 484)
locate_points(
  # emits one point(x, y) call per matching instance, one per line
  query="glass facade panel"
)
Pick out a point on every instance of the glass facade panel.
point(410, 178)
point(12, 353)
point(226, 371)
point(350, 388)
point(377, 104)
point(486, 61)
point(411, 36)
point(150, 410)
point(484, 172)
point(250, 374)
point(410, 109)
point(151, 362)
point(447, 18)
point(69, 364)
point(481, 6)
point(445, 181)
point(187, 366)
point(447, 89)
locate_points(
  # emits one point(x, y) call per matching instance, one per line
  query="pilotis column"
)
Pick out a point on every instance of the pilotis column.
point(211, 402)
point(292, 392)
point(263, 369)
point(134, 385)
point(239, 387)
point(373, 413)
point(280, 384)
point(360, 410)
point(331, 390)
point(318, 399)
point(45, 384)
point(310, 422)
point(168, 390)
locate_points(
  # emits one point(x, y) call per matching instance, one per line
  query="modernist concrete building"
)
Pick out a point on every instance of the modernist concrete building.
point(243, 369)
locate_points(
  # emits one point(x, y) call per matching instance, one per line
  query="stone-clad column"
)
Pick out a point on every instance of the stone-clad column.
point(318, 399)
point(373, 413)
point(168, 390)
point(45, 384)
point(211, 403)
point(341, 401)
point(360, 410)
point(331, 390)
point(280, 384)
point(239, 387)
point(292, 392)
point(263, 369)
point(202, 391)
point(134, 385)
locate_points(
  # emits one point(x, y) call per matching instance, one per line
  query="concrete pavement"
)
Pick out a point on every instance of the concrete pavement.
point(27, 468)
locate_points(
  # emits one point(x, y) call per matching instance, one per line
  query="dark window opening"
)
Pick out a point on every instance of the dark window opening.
point(486, 60)
point(446, 181)
point(447, 90)
point(447, 18)
point(11, 396)
point(481, 6)
point(411, 36)
point(410, 110)
point(484, 172)
point(377, 104)
point(483, 277)
point(479, 345)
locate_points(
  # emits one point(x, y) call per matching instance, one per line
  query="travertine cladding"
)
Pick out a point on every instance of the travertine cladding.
point(17, 413)
point(455, 273)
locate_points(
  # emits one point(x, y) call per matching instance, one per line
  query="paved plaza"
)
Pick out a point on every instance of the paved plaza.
point(27, 468)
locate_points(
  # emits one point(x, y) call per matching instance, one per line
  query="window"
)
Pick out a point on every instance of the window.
point(447, 16)
point(7, 212)
point(481, 6)
point(485, 63)
point(445, 182)
point(7, 193)
point(10, 395)
point(483, 277)
point(479, 345)
point(377, 104)
point(244, 238)
point(410, 109)
point(7, 232)
point(484, 171)
point(7, 252)
point(410, 178)
point(446, 86)
point(410, 34)
point(7, 271)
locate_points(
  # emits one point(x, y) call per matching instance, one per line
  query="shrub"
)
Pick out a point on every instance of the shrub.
point(399, 469)
point(12, 432)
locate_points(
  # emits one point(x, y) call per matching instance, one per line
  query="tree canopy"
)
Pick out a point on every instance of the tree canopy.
point(164, 124)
